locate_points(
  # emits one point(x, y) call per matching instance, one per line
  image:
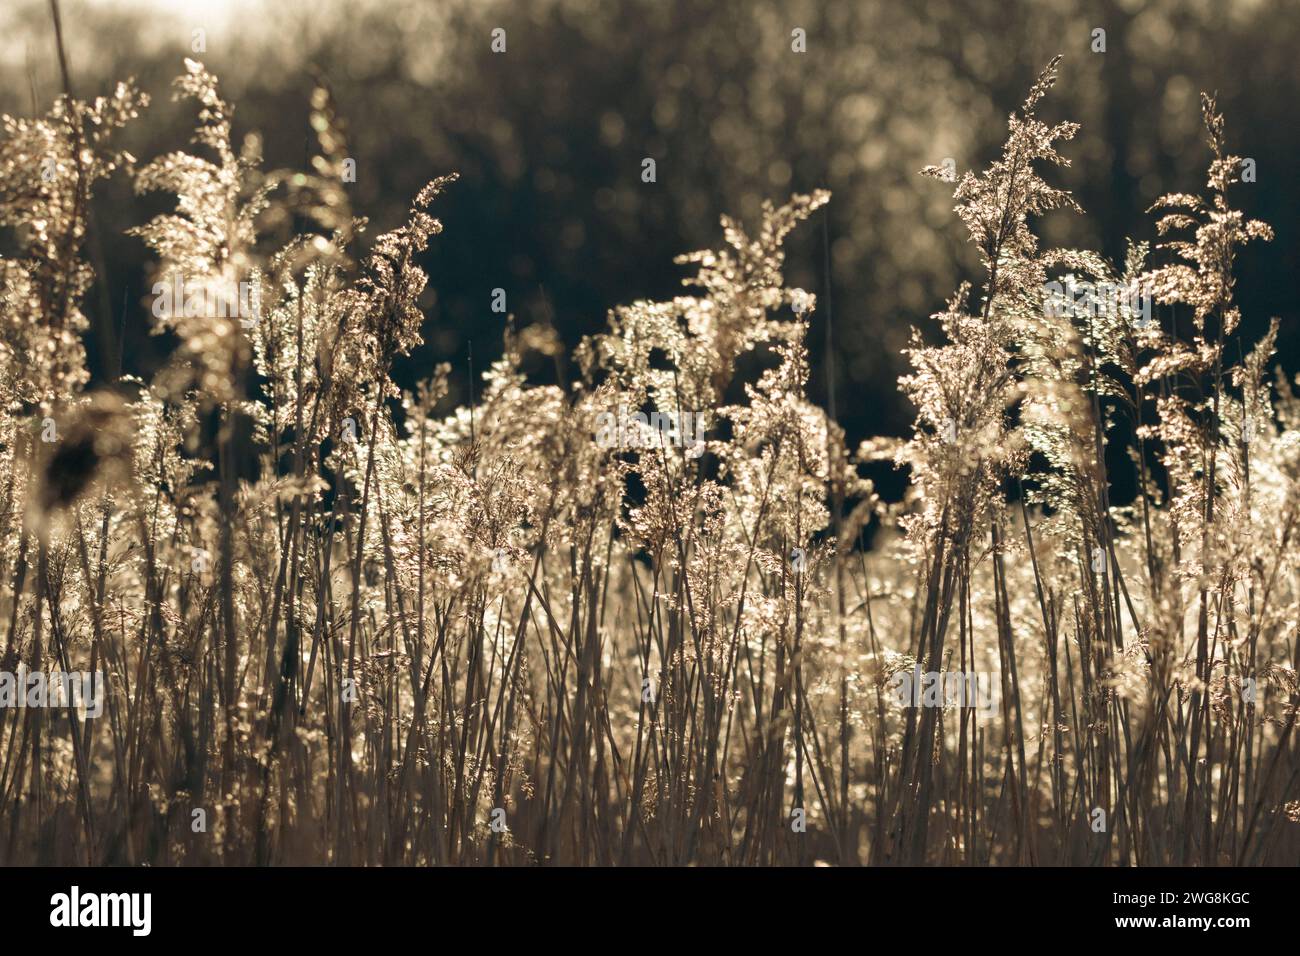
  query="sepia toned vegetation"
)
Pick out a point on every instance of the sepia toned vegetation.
point(342, 623)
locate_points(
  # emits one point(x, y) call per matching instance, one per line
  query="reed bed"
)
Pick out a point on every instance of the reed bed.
point(343, 623)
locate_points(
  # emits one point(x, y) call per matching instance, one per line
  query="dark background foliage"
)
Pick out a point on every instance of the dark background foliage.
point(549, 139)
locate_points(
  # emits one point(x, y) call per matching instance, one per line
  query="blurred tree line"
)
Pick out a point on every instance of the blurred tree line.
point(549, 138)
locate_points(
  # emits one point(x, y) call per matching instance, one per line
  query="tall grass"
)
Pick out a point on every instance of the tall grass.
point(346, 624)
